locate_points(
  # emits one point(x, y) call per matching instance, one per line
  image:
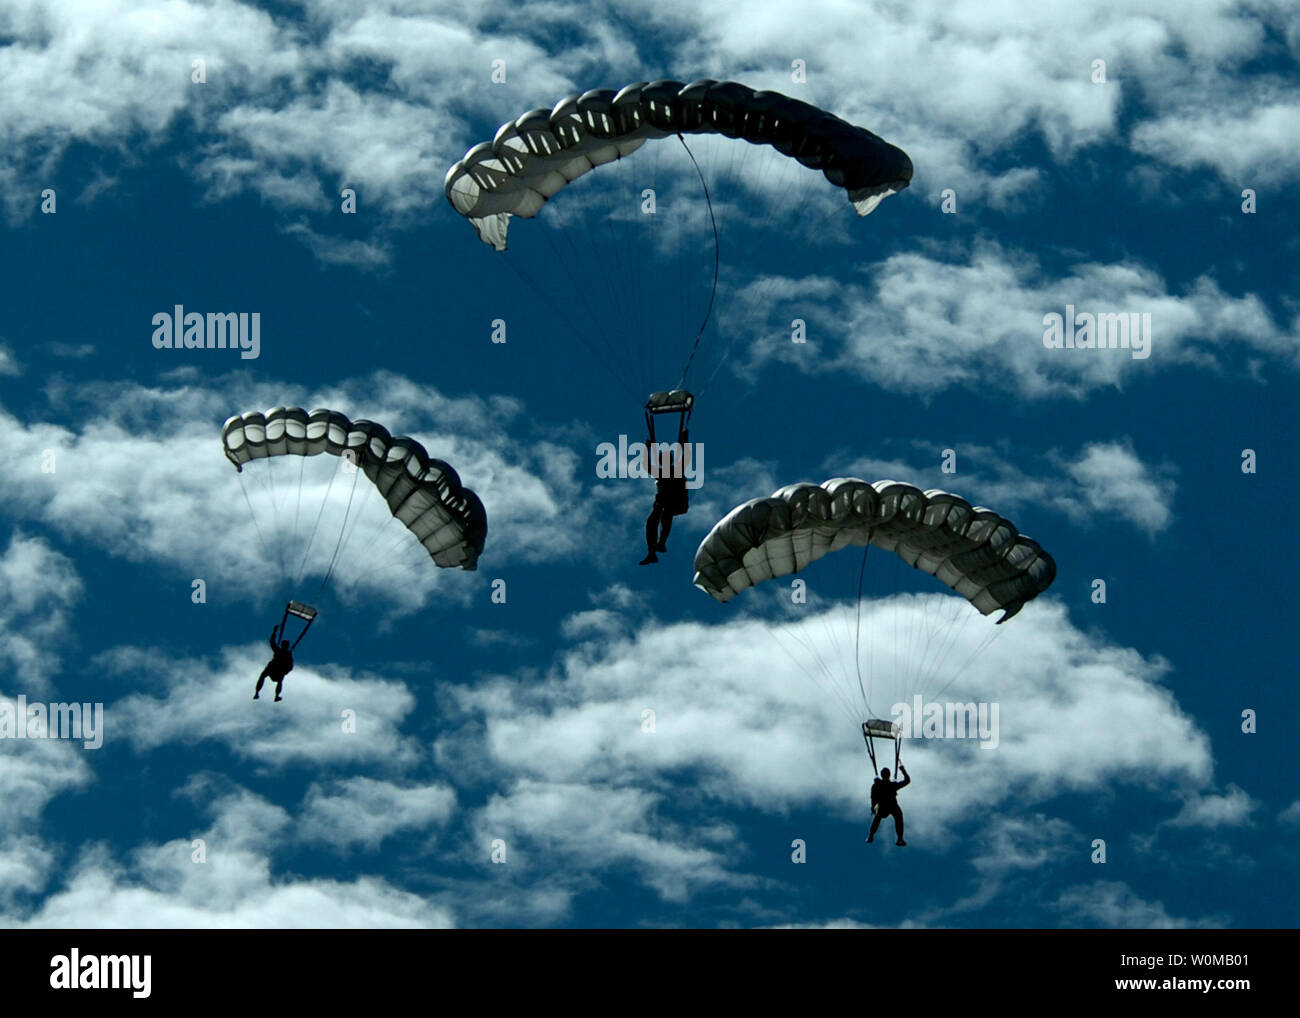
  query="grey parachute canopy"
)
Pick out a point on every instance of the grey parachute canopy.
point(535, 156)
point(423, 493)
point(978, 553)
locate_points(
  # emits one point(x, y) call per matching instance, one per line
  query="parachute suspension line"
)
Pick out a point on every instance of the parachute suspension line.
point(302, 566)
point(799, 202)
point(955, 626)
point(611, 256)
point(257, 526)
point(275, 541)
point(830, 681)
point(761, 171)
point(281, 513)
point(392, 539)
point(348, 531)
point(857, 635)
point(302, 465)
point(574, 330)
point(628, 251)
point(272, 469)
point(713, 293)
point(342, 530)
point(979, 649)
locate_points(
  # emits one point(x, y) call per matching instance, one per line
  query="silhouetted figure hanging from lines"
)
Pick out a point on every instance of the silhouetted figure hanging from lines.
point(671, 500)
point(884, 802)
point(280, 665)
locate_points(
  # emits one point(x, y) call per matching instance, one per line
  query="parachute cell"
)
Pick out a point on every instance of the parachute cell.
point(422, 493)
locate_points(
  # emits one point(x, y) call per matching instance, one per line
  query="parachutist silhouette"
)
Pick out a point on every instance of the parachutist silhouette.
point(280, 665)
point(884, 802)
point(670, 500)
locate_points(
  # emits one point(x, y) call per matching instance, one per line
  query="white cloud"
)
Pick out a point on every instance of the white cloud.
point(1113, 905)
point(1249, 146)
point(33, 773)
point(551, 826)
point(72, 351)
point(1102, 481)
point(296, 112)
point(163, 886)
point(199, 700)
point(928, 324)
point(1009, 844)
point(108, 74)
point(1113, 480)
point(362, 812)
point(733, 710)
point(38, 589)
point(1209, 811)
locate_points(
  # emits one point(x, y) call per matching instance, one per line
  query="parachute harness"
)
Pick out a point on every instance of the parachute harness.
point(713, 292)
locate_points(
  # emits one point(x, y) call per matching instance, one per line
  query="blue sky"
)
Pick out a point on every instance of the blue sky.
point(522, 723)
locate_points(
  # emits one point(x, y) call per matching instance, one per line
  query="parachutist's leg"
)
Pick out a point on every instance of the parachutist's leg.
point(280, 683)
point(651, 525)
point(260, 679)
point(898, 825)
point(875, 826)
point(665, 525)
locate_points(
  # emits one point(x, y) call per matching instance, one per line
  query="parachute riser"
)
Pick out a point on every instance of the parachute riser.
point(717, 262)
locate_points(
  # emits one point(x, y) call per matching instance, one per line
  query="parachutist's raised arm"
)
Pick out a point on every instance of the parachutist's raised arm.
point(907, 778)
point(274, 646)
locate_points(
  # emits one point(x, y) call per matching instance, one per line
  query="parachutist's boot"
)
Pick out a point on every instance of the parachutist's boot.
point(662, 547)
point(649, 560)
point(278, 699)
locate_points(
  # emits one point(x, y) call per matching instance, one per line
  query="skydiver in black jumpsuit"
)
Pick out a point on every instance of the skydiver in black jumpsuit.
point(671, 500)
point(280, 665)
point(884, 802)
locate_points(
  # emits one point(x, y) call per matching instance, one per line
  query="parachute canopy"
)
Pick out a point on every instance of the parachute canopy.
point(976, 552)
point(537, 155)
point(423, 493)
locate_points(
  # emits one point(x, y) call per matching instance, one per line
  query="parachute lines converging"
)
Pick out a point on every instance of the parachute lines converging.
point(587, 263)
point(424, 494)
point(871, 654)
